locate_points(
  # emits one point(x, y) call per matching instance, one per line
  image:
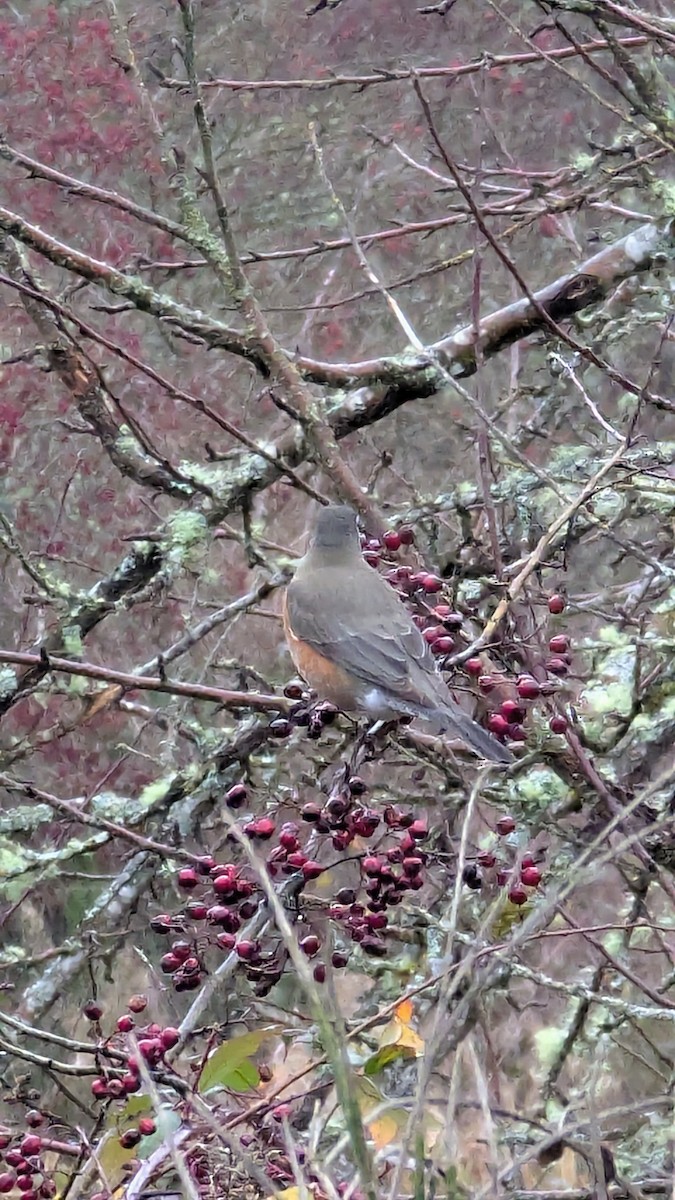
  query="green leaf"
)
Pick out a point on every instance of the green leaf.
point(230, 1065)
point(384, 1056)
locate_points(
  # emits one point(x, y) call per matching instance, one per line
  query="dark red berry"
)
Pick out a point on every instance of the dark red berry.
point(130, 1083)
point(129, 1139)
point(31, 1144)
point(312, 870)
point(319, 973)
point(247, 950)
point(226, 940)
point(146, 1126)
point(293, 690)
point(498, 723)
point(281, 728)
point(516, 733)
point(432, 584)
point(557, 666)
point(556, 604)
point(517, 895)
point(150, 1049)
point(125, 1023)
point(310, 945)
point(527, 687)
point(34, 1118)
point(505, 825)
point(137, 1004)
point(92, 1011)
point(371, 865)
point(486, 859)
point(557, 724)
point(237, 794)
point(7, 1181)
point(473, 666)
point(407, 535)
point(281, 1113)
point(339, 959)
point(513, 712)
point(187, 878)
point(418, 830)
point(169, 1037)
point(443, 645)
point(530, 876)
point(99, 1087)
point(24, 1183)
point(392, 541)
point(169, 963)
point(357, 786)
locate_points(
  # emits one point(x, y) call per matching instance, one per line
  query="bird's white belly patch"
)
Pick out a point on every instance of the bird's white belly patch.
point(377, 705)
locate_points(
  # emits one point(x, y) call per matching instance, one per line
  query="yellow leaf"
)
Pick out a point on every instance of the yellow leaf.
point(404, 1011)
point(294, 1193)
point(386, 1128)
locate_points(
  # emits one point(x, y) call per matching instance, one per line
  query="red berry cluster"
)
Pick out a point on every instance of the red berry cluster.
point(153, 1042)
point(21, 1161)
point(517, 873)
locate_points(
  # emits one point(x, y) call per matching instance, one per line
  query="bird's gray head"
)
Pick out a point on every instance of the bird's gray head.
point(335, 529)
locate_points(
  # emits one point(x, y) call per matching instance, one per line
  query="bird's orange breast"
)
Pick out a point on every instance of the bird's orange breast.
point(329, 681)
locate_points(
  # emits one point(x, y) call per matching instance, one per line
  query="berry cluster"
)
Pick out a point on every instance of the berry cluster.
point(21, 1161)
point(153, 1042)
point(516, 872)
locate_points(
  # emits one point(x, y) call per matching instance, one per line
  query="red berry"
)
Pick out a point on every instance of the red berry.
point(557, 666)
point(432, 584)
point(505, 825)
point(34, 1118)
point(169, 963)
point(371, 865)
point(339, 959)
point(486, 683)
point(530, 876)
point(497, 723)
point(289, 841)
point(137, 1004)
point(407, 535)
point(512, 711)
point(129, 1139)
point(557, 724)
point(92, 1011)
point(14, 1158)
point(297, 858)
point(7, 1181)
point(247, 950)
point(238, 793)
point(418, 830)
point(125, 1023)
point(443, 645)
point(31, 1144)
point(433, 633)
point(527, 687)
point(527, 861)
point(150, 1049)
point(357, 786)
point(556, 604)
point(517, 895)
point(169, 1037)
point(310, 945)
point(372, 558)
point(24, 1183)
point(516, 733)
point(130, 1083)
point(99, 1087)
point(486, 859)
point(187, 878)
point(392, 541)
point(312, 870)
point(5, 1137)
point(181, 949)
point(559, 644)
point(281, 1113)
point(473, 666)
point(226, 940)
point(146, 1126)
point(319, 973)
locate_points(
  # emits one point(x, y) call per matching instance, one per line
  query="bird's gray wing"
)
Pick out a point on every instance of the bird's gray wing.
point(377, 642)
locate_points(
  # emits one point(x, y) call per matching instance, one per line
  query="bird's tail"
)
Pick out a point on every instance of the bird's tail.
point(454, 720)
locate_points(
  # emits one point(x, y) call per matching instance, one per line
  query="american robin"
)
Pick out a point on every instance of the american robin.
point(355, 643)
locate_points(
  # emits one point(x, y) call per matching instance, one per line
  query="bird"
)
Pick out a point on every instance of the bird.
point(355, 644)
